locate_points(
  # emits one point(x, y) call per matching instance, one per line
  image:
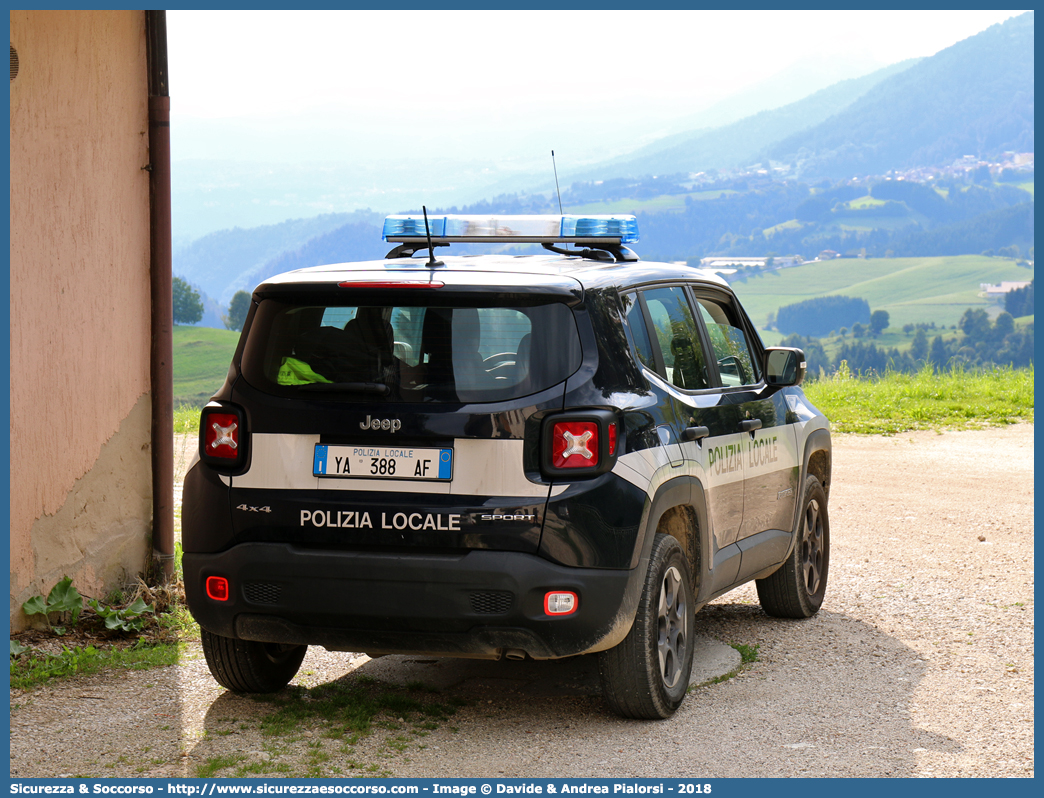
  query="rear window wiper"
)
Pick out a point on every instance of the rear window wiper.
point(348, 387)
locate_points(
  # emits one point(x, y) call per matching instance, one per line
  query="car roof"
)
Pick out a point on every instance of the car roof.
point(557, 270)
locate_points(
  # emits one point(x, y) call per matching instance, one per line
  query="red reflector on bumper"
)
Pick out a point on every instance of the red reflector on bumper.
point(217, 588)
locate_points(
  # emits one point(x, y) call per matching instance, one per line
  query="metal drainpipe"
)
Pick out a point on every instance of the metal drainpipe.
point(161, 370)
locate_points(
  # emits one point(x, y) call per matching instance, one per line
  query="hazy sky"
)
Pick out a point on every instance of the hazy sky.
point(454, 64)
point(308, 112)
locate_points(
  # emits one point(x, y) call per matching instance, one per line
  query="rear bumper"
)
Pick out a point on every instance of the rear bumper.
point(475, 604)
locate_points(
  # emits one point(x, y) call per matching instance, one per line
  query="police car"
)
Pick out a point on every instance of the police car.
point(501, 456)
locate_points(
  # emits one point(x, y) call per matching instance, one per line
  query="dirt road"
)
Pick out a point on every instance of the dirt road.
point(919, 664)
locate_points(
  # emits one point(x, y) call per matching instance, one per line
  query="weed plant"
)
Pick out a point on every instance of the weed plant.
point(106, 636)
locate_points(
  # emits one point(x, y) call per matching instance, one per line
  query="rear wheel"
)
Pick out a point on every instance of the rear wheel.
point(797, 589)
point(246, 666)
point(647, 674)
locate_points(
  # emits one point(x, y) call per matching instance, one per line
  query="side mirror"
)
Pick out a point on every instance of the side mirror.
point(784, 366)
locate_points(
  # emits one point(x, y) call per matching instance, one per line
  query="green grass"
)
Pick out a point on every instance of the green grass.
point(348, 708)
point(1026, 187)
point(661, 204)
point(929, 399)
point(186, 420)
point(665, 203)
point(214, 764)
point(712, 195)
point(792, 224)
point(865, 202)
point(201, 359)
point(855, 222)
point(912, 290)
point(32, 669)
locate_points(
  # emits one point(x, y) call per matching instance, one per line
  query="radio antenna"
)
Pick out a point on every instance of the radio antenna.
point(432, 263)
point(556, 183)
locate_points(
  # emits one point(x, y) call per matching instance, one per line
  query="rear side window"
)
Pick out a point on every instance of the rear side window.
point(639, 332)
point(410, 353)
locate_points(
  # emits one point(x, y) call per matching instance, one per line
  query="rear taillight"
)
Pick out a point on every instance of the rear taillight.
point(574, 444)
point(222, 437)
point(579, 443)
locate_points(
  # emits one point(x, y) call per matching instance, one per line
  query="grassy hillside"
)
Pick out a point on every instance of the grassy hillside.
point(912, 290)
point(930, 399)
point(201, 358)
point(665, 203)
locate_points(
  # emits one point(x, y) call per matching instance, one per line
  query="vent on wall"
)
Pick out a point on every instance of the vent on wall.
point(14, 62)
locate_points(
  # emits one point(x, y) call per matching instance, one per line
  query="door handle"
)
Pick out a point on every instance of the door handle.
point(695, 433)
point(750, 424)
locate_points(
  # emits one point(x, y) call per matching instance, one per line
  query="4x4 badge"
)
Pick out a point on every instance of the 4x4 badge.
point(392, 424)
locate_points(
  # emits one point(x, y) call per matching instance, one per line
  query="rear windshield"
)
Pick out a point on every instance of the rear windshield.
point(410, 353)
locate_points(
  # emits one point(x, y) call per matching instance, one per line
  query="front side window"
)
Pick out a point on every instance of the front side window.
point(411, 352)
point(736, 365)
point(677, 337)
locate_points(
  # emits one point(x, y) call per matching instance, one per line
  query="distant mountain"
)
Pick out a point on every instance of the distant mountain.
point(261, 170)
point(349, 242)
point(221, 263)
point(742, 142)
point(974, 98)
point(801, 79)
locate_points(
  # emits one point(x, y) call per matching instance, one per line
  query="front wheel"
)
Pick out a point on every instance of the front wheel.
point(246, 666)
point(647, 674)
point(797, 589)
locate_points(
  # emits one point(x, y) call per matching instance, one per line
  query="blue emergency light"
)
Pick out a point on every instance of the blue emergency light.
point(531, 229)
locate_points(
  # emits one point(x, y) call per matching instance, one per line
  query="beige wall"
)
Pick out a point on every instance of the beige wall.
point(80, 307)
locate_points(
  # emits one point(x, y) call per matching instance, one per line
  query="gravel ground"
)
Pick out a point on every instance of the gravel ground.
point(919, 664)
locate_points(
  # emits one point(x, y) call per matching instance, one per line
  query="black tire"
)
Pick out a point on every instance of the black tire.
point(646, 676)
point(797, 589)
point(246, 666)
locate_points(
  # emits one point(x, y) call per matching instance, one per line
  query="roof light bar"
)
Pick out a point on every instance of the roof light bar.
point(533, 229)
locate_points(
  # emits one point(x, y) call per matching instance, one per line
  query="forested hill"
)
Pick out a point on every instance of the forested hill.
point(741, 143)
point(974, 98)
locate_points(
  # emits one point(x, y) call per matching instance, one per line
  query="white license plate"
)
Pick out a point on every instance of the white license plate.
point(382, 462)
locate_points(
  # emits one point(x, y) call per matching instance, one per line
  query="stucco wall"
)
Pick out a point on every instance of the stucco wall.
point(80, 301)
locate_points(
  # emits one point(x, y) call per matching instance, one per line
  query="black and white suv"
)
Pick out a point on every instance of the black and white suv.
point(501, 456)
